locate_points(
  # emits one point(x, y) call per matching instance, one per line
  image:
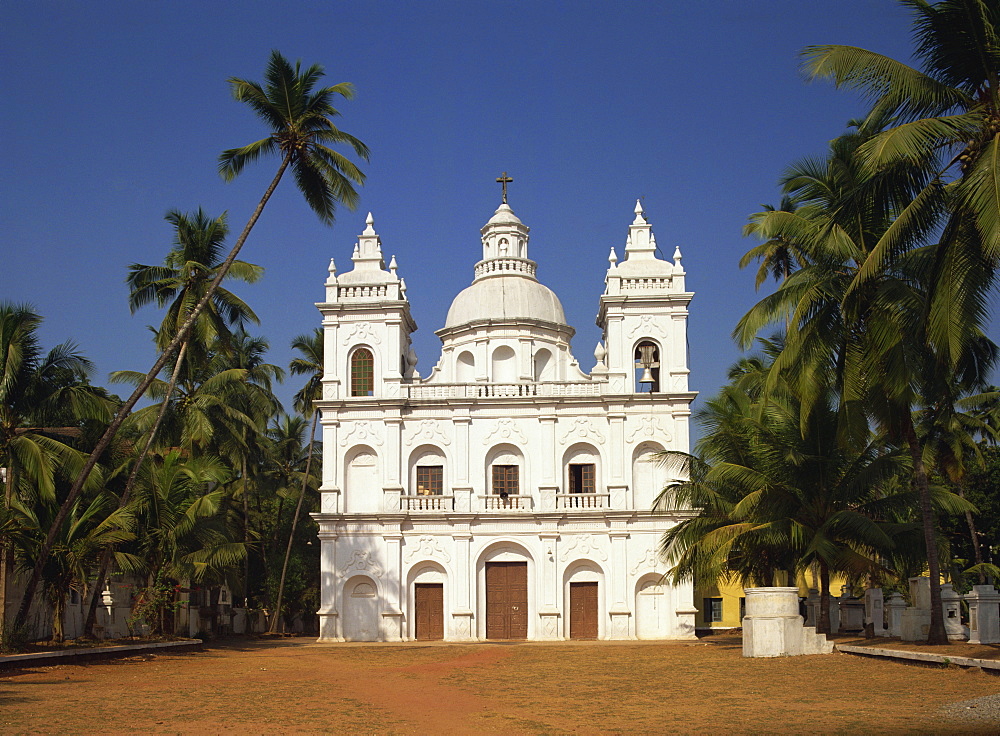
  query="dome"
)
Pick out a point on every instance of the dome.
point(506, 297)
point(504, 216)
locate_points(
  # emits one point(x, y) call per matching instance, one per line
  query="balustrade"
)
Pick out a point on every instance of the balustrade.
point(502, 390)
point(427, 503)
point(511, 503)
point(583, 500)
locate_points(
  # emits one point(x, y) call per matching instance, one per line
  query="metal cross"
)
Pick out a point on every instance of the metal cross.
point(503, 181)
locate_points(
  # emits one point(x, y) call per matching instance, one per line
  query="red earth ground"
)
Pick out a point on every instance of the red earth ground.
point(297, 686)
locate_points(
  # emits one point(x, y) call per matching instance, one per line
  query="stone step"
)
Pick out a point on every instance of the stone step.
point(813, 643)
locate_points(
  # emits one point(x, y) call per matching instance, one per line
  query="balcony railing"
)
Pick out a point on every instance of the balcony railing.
point(502, 390)
point(583, 500)
point(427, 503)
point(511, 503)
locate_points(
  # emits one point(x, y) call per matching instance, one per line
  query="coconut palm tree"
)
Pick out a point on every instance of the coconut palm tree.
point(309, 363)
point(776, 497)
point(301, 130)
point(867, 337)
point(92, 528)
point(945, 119)
point(181, 522)
point(178, 284)
point(778, 256)
point(44, 398)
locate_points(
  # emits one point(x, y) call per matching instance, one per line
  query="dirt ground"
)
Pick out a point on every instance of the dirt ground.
point(297, 686)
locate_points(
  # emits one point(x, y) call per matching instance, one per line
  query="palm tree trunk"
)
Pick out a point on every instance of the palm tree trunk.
point(936, 634)
point(976, 549)
point(246, 533)
point(6, 549)
point(58, 613)
point(295, 521)
point(102, 573)
point(823, 616)
point(126, 408)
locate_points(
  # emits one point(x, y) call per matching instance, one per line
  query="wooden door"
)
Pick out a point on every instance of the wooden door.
point(429, 603)
point(506, 600)
point(583, 610)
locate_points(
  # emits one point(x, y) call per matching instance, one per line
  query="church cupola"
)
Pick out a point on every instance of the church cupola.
point(505, 236)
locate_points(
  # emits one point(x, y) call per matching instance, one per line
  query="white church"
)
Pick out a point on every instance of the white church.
point(508, 494)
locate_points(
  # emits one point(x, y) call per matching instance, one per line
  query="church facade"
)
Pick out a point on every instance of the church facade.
point(508, 494)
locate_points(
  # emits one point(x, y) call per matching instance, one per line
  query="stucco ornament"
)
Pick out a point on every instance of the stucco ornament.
point(505, 429)
point(582, 429)
point(583, 546)
point(361, 561)
point(428, 548)
point(429, 431)
point(362, 431)
point(362, 332)
point(649, 427)
point(650, 562)
point(646, 326)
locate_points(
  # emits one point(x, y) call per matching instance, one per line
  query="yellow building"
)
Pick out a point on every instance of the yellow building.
point(721, 604)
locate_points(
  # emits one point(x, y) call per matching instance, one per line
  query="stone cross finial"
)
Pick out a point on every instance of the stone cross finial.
point(503, 181)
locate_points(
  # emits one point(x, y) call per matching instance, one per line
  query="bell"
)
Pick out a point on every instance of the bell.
point(647, 376)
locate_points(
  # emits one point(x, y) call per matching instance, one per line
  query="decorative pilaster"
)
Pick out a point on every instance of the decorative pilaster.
point(617, 422)
point(464, 584)
point(548, 454)
point(461, 425)
point(620, 611)
point(393, 440)
point(329, 623)
point(392, 614)
point(548, 609)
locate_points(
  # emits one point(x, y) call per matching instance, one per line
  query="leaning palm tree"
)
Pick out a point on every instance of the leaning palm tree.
point(298, 116)
point(311, 364)
point(179, 284)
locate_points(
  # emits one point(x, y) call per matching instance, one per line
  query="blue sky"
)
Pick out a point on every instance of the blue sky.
point(115, 112)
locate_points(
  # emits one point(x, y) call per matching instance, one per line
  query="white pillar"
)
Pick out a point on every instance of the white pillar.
point(984, 615)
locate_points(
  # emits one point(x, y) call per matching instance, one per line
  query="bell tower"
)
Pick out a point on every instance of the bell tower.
point(643, 315)
point(366, 326)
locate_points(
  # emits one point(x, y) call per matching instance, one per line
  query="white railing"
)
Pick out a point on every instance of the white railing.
point(583, 500)
point(506, 265)
point(427, 503)
point(502, 390)
point(511, 503)
point(347, 292)
point(646, 283)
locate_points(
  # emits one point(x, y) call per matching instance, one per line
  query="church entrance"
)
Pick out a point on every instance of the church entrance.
point(429, 600)
point(583, 610)
point(506, 600)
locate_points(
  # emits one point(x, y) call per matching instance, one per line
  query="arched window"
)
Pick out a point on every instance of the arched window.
point(647, 367)
point(504, 471)
point(362, 373)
